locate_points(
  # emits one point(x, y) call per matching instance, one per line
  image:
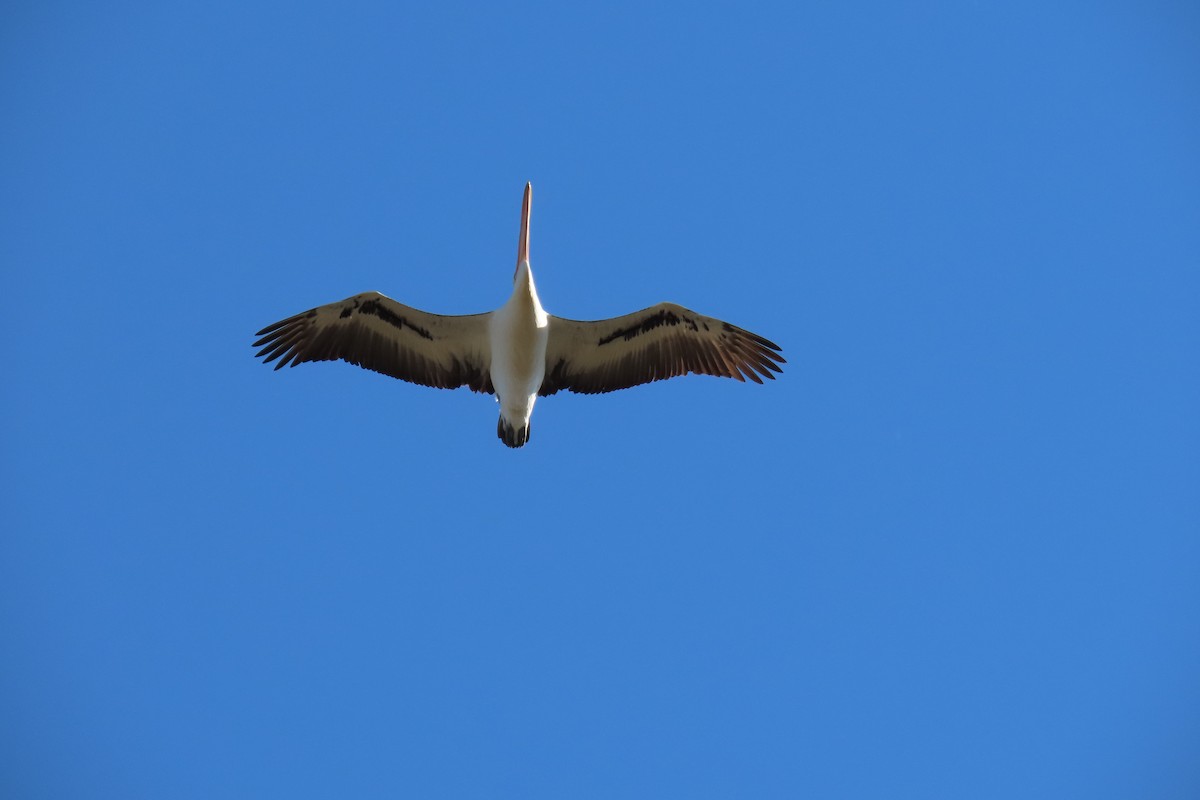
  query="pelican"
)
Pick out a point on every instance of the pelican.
point(519, 352)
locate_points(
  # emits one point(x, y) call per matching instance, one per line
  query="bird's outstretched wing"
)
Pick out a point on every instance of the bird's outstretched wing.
point(653, 344)
point(377, 333)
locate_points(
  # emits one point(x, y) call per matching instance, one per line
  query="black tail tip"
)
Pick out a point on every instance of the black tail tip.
point(510, 435)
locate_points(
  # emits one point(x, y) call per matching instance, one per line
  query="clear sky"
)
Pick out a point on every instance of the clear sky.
point(952, 552)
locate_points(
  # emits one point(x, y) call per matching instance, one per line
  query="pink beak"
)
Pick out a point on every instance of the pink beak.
point(523, 243)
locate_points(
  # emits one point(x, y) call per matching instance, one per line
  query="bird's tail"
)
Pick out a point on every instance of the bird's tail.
point(511, 435)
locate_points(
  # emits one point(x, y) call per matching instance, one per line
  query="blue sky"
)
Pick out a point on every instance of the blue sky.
point(952, 552)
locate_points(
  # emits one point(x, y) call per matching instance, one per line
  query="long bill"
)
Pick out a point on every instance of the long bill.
point(523, 243)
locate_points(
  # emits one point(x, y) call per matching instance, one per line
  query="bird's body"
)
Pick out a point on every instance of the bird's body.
point(518, 334)
point(519, 352)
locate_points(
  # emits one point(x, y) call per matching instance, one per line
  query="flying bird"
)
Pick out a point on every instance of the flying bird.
point(519, 352)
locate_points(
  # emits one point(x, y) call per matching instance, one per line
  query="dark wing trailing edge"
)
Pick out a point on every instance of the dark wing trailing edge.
point(653, 344)
point(377, 333)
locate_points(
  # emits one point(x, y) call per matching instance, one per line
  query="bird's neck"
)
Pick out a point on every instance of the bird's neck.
point(524, 298)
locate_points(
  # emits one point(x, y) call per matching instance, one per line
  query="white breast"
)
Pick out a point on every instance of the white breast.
point(518, 332)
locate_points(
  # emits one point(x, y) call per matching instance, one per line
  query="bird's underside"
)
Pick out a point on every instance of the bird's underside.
point(519, 352)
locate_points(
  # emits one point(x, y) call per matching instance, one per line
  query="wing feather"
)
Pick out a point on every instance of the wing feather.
point(656, 343)
point(379, 334)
